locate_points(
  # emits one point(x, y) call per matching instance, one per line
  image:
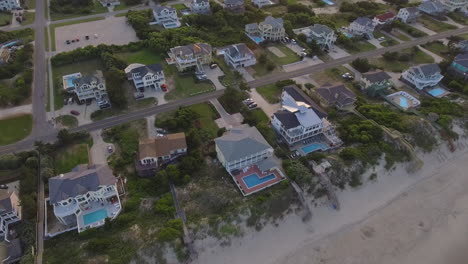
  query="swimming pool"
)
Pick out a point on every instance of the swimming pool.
point(403, 102)
point(436, 92)
point(256, 39)
point(94, 216)
point(253, 180)
point(70, 81)
point(314, 147)
point(328, 2)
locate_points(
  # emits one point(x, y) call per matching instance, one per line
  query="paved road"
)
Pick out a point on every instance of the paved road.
point(369, 54)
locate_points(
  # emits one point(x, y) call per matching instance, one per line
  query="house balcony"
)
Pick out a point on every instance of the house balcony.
point(63, 211)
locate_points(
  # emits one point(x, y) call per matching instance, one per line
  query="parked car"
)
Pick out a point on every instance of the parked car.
point(213, 66)
point(68, 42)
point(161, 131)
point(252, 106)
point(3, 186)
point(110, 149)
point(381, 39)
point(77, 40)
point(65, 101)
point(164, 88)
point(87, 37)
point(73, 41)
point(74, 112)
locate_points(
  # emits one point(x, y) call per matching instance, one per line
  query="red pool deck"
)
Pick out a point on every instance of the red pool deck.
point(254, 169)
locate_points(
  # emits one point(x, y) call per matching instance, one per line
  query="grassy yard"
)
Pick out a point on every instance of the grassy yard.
point(412, 31)
point(54, 26)
point(85, 67)
point(28, 18)
point(276, 10)
point(458, 17)
point(388, 42)
point(332, 75)
point(98, 9)
point(67, 158)
point(68, 121)
point(15, 128)
point(400, 36)
point(179, 7)
point(5, 18)
point(181, 86)
point(360, 46)
point(435, 25)
point(46, 38)
point(290, 56)
point(438, 48)
point(30, 4)
point(464, 36)
point(144, 56)
point(207, 115)
point(419, 57)
point(260, 115)
point(271, 93)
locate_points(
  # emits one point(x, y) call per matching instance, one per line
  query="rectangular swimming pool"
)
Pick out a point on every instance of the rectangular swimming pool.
point(314, 147)
point(256, 39)
point(436, 92)
point(403, 102)
point(94, 216)
point(254, 180)
point(328, 2)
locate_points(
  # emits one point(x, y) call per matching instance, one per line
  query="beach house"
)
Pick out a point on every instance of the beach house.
point(433, 8)
point(154, 152)
point(408, 14)
point(8, 5)
point(166, 16)
point(459, 66)
point(89, 87)
point(270, 29)
point(362, 27)
point(384, 19)
point(200, 7)
point(463, 46)
point(262, 3)
point(239, 56)
point(146, 77)
point(324, 36)
point(375, 83)
point(234, 6)
point(10, 212)
point(191, 56)
point(423, 76)
point(84, 197)
point(336, 95)
point(454, 5)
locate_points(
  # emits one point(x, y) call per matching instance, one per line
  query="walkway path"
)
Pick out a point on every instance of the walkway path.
point(99, 151)
point(227, 120)
point(437, 58)
point(423, 28)
point(17, 110)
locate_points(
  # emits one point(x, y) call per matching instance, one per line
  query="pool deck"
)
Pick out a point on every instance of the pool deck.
point(254, 169)
point(112, 209)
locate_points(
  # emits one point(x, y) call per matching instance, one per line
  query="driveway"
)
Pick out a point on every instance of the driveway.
point(423, 28)
point(375, 42)
point(305, 79)
point(226, 120)
point(17, 110)
point(246, 75)
point(268, 108)
point(85, 112)
point(111, 30)
point(150, 128)
point(337, 53)
point(437, 58)
point(301, 64)
point(99, 151)
point(356, 73)
point(213, 75)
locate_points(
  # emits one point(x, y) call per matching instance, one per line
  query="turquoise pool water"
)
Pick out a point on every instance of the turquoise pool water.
point(436, 92)
point(70, 81)
point(403, 102)
point(314, 147)
point(256, 39)
point(253, 179)
point(94, 216)
point(328, 2)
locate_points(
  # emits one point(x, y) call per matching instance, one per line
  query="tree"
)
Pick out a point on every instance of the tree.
point(116, 92)
point(361, 64)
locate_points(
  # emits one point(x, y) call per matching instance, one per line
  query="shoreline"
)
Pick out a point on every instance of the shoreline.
point(296, 242)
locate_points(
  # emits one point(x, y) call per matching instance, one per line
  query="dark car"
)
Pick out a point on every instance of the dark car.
point(73, 41)
point(87, 37)
point(74, 112)
point(3, 186)
point(68, 42)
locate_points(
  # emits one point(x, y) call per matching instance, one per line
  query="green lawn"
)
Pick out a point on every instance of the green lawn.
point(67, 120)
point(419, 57)
point(400, 36)
point(271, 93)
point(458, 17)
point(5, 18)
point(360, 46)
point(437, 48)
point(261, 116)
point(67, 158)
point(332, 75)
point(30, 4)
point(15, 128)
point(179, 7)
point(46, 38)
point(54, 26)
point(144, 56)
point(388, 42)
point(85, 67)
point(412, 31)
point(463, 36)
point(260, 70)
point(98, 9)
point(435, 25)
point(290, 56)
point(29, 18)
point(207, 115)
point(182, 86)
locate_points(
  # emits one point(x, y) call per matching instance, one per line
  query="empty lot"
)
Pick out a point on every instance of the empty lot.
point(112, 30)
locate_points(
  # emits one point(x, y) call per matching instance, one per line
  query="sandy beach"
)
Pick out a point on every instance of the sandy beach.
point(400, 218)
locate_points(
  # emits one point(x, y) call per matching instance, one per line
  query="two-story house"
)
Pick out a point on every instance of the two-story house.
point(262, 3)
point(270, 29)
point(191, 56)
point(89, 87)
point(324, 36)
point(200, 7)
point(8, 5)
point(239, 56)
point(10, 212)
point(423, 76)
point(241, 147)
point(375, 83)
point(433, 8)
point(336, 95)
point(84, 197)
point(149, 76)
point(463, 46)
point(234, 6)
point(408, 14)
point(459, 66)
point(384, 19)
point(299, 117)
point(454, 5)
point(166, 16)
point(154, 152)
point(362, 27)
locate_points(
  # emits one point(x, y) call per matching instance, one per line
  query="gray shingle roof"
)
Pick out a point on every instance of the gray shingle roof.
point(159, 9)
point(321, 29)
point(336, 94)
point(365, 21)
point(412, 11)
point(431, 6)
point(376, 76)
point(299, 96)
point(274, 22)
point(79, 181)
point(427, 69)
point(152, 68)
point(288, 119)
point(241, 142)
point(233, 2)
point(5, 202)
point(462, 59)
point(88, 79)
point(197, 48)
point(239, 50)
